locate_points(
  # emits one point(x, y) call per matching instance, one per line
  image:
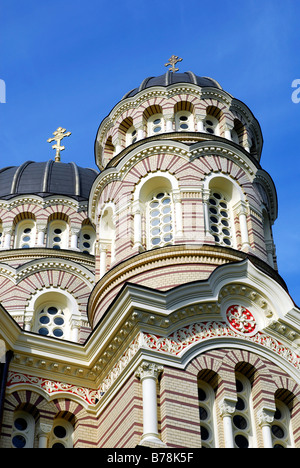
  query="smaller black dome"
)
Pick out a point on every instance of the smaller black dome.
point(45, 179)
point(170, 78)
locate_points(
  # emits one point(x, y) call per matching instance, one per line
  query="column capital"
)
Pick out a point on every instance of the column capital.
point(265, 416)
point(148, 370)
point(227, 406)
point(44, 429)
point(205, 194)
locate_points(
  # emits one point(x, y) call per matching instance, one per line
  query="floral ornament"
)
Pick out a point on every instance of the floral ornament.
point(241, 319)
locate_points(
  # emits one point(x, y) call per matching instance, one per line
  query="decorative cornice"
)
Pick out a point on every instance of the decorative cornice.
point(176, 345)
point(46, 264)
point(21, 200)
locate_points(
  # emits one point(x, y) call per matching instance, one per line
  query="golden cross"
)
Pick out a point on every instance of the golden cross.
point(59, 134)
point(172, 61)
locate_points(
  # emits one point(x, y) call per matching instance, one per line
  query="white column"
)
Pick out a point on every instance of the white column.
point(74, 238)
point(227, 408)
point(270, 248)
point(28, 322)
point(242, 212)
point(43, 435)
point(205, 199)
point(140, 131)
point(75, 327)
point(265, 419)
point(117, 142)
point(103, 255)
point(148, 374)
point(41, 230)
point(178, 214)
point(7, 232)
point(200, 123)
point(169, 118)
point(227, 131)
point(136, 210)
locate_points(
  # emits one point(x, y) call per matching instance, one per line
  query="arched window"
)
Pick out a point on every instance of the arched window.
point(58, 235)
point(109, 149)
point(225, 196)
point(62, 434)
point(242, 419)
point(131, 136)
point(212, 125)
point(155, 211)
point(23, 431)
point(184, 121)
point(160, 219)
point(25, 234)
point(238, 132)
point(220, 218)
point(153, 119)
point(281, 427)
point(87, 240)
point(206, 399)
point(155, 124)
point(52, 315)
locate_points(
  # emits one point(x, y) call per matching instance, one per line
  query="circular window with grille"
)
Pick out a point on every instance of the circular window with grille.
point(160, 220)
point(219, 219)
point(51, 321)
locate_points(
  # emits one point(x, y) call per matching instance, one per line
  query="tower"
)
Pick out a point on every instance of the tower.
point(187, 334)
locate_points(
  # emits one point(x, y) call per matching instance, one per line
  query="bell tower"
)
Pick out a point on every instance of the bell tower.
point(181, 190)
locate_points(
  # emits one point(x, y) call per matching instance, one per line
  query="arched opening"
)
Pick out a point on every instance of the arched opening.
point(213, 121)
point(109, 150)
point(207, 382)
point(155, 213)
point(62, 432)
point(153, 119)
point(127, 132)
point(58, 232)
point(87, 238)
point(25, 231)
point(184, 116)
point(53, 314)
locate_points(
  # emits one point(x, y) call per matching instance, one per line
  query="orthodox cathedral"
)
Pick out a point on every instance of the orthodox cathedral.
point(140, 302)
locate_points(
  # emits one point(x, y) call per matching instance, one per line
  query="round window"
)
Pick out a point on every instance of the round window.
point(20, 424)
point(19, 441)
point(60, 432)
point(241, 441)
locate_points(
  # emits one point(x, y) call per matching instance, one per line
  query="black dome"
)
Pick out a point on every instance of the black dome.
point(45, 179)
point(170, 78)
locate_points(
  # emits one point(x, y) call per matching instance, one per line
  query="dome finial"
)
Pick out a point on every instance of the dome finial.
point(59, 134)
point(172, 61)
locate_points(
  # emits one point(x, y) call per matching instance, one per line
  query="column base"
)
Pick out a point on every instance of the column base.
point(151, 440)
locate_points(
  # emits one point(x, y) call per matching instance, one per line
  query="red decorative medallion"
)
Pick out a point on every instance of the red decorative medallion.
point(241, 319)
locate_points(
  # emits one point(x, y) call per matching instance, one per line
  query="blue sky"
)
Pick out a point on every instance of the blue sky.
point(67, 63)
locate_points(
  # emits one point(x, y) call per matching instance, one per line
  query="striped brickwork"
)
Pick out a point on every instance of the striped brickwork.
point(120, 425)
point(137, 112)
point(179, 400)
